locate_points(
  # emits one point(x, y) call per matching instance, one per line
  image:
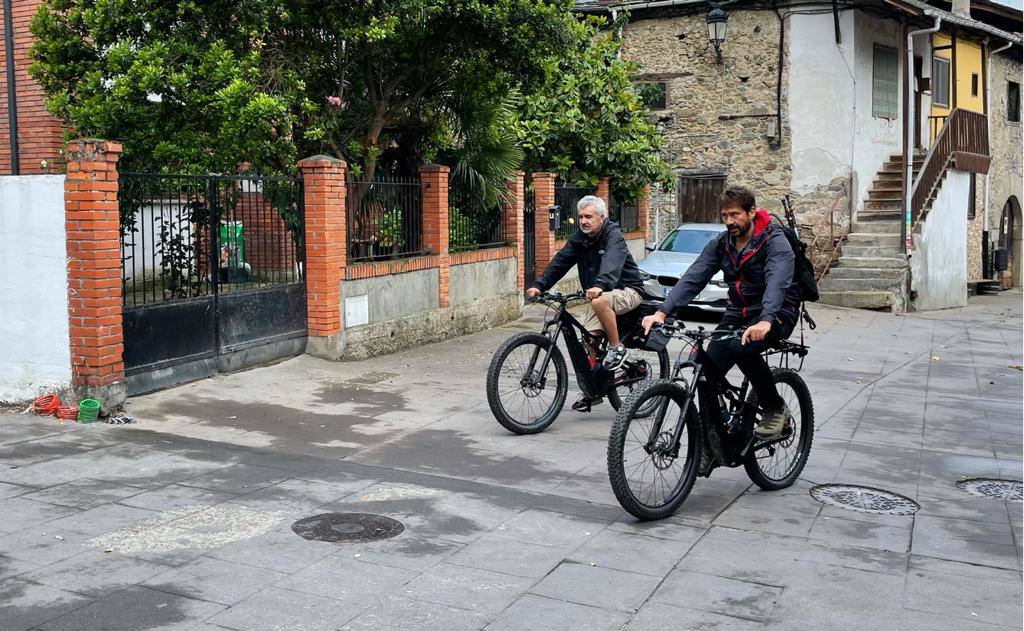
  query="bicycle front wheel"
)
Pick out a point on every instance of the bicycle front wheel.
point(650, 473)
point(776, 464)
point(522, 399)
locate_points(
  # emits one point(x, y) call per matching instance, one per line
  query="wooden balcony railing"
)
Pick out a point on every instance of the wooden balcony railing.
point(935, 125)
point(961, 142)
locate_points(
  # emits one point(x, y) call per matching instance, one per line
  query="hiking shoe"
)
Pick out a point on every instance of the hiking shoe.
point(616, 356)
point(584, 403)
point(772, 423)
point(706, 460)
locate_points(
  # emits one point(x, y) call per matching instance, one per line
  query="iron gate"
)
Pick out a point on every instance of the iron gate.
point(529, 234)
point(211, 274)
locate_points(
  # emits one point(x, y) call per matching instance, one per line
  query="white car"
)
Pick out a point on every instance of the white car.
point(670, 259)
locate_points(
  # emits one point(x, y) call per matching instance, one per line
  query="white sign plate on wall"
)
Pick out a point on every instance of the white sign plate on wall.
point(357, 310)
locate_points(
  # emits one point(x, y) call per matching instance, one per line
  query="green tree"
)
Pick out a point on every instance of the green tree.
point(190, 85)
point(180, 83)
point(206, 85)
point(587, 120)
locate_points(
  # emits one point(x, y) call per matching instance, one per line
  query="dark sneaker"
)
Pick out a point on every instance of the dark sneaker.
point(584, 403)
point(772, 423)
point(616, 356)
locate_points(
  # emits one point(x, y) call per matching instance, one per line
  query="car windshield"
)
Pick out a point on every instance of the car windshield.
point(687, 241)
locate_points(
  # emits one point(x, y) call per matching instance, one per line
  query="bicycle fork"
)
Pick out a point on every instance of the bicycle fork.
point(544, 364)
point(659, 419)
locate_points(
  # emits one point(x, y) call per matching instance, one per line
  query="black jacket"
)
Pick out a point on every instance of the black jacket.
point(760, 277)
point(602, 261)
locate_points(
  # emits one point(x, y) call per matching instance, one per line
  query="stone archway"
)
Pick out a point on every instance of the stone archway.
point(1010, 225)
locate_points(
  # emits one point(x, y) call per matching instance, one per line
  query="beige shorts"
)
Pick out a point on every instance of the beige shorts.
point(621, 300)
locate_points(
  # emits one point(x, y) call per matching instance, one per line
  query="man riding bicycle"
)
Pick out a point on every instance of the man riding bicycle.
point(607, 269)
point(757, 261)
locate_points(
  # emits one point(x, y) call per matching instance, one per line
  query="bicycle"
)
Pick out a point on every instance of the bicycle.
point(522, 366)
point(665, 452)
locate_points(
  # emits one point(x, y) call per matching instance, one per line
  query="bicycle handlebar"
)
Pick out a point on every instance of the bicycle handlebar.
point(670, 328)
point(558, 297)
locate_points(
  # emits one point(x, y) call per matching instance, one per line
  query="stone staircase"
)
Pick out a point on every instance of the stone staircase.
point(872, 271)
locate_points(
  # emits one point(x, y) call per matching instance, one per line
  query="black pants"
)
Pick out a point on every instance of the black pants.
point(728, 353)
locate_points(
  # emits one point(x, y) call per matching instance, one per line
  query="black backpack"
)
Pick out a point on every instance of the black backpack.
point(803, 270)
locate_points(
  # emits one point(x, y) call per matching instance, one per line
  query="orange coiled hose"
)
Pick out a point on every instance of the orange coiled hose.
point(67, 412)
point(46, 404)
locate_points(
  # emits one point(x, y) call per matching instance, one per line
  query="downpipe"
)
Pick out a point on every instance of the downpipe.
point(908, 162)
point(12, 94)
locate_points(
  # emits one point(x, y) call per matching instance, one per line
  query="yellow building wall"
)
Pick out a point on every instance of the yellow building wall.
point(968, 62)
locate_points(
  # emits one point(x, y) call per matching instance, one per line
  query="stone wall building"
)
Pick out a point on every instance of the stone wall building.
point(1006, 188)
point(813, 101)
point(718, 119)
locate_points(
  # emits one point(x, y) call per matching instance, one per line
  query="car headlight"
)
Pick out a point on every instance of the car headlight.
point(645, 276)
point(719, 283)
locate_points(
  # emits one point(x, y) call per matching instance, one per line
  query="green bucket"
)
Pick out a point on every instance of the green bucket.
point(88, 410)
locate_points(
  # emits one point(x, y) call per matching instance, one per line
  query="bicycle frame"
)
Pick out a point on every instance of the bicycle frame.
point(730, 440)
point(591, 376)
point(566, 325)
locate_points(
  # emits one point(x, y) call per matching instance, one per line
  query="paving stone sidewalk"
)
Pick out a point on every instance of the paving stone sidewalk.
point(183, 520)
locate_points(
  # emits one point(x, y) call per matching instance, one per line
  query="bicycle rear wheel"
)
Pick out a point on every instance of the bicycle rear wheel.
point(642, 368)
point(652, 477)
point(521, 399)
point(776, 464)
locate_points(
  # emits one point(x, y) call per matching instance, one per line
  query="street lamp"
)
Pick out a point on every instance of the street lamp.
point(717, 19)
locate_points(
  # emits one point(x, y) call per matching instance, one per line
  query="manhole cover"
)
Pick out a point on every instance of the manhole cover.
point(1006, 490)
point(864, 499)
point(337, 527)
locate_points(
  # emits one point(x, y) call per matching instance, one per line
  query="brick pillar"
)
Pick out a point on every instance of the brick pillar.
point(543, 197)
point(323, 186)
point(513, 210)
point(94, 272)
point(643, 210)
point(603, 191)
point(435, 222)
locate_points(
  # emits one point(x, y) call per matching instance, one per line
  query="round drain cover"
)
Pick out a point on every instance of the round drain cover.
point(864, 499)
point(347, 527)
point(1006, 490)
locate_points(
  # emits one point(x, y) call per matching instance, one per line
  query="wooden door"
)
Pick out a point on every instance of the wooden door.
point(697, 200)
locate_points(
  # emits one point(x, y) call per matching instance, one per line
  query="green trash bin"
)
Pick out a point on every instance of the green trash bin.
point(233, 268)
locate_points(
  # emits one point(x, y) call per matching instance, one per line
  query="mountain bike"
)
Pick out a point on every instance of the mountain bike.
point(527, 380)
point(655, 458)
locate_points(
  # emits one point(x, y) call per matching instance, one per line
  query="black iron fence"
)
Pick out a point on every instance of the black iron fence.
point(529, 233)
point(187, 236)
point(385, 218)
point(566, 197)
point(626, 213)
point(472, 223)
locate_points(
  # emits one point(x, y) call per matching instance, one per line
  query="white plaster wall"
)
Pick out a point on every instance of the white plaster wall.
point(923, 49)
point(877, 138)
point(938, 266)
point(140, 249)
point(821, 100)
point(33, 287)
point(832, 128)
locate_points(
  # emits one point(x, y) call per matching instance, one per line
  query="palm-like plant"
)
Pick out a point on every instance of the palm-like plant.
point(484, 153)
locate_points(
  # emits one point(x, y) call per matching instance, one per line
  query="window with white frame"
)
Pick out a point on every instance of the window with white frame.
point(940, 81)
point(885, 82)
